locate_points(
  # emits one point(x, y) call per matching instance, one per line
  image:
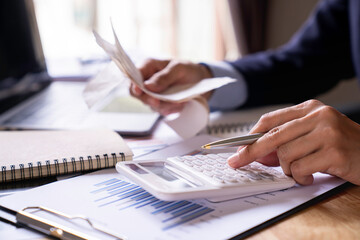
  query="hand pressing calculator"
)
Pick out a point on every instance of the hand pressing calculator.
point(203, 176)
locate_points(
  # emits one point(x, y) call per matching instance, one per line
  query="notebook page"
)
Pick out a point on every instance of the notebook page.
point(75, 150)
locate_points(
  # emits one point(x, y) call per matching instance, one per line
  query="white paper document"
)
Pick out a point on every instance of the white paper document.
point(190, 93)
point(114, 203)
point(176, 93)
point(101, 85)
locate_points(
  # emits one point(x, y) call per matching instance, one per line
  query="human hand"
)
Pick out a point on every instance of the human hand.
point(159, 75)
point(304, 139)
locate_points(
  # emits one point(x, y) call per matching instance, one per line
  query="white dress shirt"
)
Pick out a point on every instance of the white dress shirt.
point(232, 95)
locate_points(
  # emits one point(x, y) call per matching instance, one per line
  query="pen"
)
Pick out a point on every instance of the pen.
point(234, 141)
point(56, 229)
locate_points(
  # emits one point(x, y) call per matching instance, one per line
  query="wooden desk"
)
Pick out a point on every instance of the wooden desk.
point(337, 217)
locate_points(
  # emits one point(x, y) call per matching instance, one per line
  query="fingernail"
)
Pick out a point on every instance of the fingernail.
point(233, 160)
point(136, 91)
point(153, 86)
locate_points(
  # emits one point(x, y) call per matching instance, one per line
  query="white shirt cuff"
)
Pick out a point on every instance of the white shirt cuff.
point(232, 95)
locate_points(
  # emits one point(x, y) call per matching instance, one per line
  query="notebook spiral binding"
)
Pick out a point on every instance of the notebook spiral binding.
point(230, 128)
point(58, 167)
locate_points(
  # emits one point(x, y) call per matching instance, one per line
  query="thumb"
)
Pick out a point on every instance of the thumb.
point(157, 84)
point(165, 78)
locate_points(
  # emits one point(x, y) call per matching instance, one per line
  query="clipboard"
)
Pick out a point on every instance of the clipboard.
point(30, 220)
point(33, 222)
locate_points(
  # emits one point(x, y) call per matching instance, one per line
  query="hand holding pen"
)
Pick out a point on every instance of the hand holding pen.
point(304, 139)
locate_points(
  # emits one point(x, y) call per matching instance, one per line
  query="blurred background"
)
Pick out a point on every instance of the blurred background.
point(201, 30)
point(158, 28)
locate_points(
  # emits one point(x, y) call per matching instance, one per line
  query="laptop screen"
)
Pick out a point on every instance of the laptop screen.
point(22, 61)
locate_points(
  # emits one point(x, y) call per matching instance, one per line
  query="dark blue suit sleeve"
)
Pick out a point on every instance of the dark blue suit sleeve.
point(315, 60)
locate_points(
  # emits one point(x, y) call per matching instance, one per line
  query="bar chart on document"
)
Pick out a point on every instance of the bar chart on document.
point(130, 210)
point(114, 203)
point(124, 196)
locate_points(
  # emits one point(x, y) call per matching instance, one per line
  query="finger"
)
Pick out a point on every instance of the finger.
point(302, 169)
point(154, 103)
point(276, 118)
point(152, 66)
point(171, 74)
point(164, 108)
point(271, 141)
point(290, 151)
point(269, 160)
point(167, 108)
point(135, 90)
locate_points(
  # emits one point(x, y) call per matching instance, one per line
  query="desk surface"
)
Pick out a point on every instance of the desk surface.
point(337, 217)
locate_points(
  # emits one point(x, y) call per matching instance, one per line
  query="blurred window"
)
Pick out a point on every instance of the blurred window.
point(158, 28)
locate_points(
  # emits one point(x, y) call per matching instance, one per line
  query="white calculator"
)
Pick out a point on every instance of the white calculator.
point(203, 176)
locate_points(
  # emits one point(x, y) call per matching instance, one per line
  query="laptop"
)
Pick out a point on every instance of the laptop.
point(30, 99)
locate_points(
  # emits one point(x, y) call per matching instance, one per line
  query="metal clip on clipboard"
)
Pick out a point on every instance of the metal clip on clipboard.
point(54, 229)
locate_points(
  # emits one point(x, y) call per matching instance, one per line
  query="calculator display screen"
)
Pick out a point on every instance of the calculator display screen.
point(160, 170)
point(170, 174)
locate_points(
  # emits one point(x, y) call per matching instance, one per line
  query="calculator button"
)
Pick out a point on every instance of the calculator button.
point(189, 163)
point(214, 169)
point(230, 171)
point(242, 178)
point(207, 167)
point(220, 166)
point(221, 160)
point(208, 173)
point(198, 162)
point(217, 179)
point(198, 168)
point(265, 175)
point(253, 176)
point(210, 161)
point(201, 157)
point(180, 159)
point(225, 155)
point(256, 164)
point(242, 171)
point(229, 179)
point(218, 171)
point(212, 156)
point(281, 176)
point(217, 174)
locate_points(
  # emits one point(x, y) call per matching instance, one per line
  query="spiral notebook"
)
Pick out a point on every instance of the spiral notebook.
point(36, 154)
point(236, 123)
point(231, 129)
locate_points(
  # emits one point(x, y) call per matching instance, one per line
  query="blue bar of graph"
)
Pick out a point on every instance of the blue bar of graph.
point(125, 194)
point(119, 191)
point(173, 206)
point(111, 187)
point(189, 217)
point(183, 211)
point(153, 199)
point(107, 182)
point(131, 196)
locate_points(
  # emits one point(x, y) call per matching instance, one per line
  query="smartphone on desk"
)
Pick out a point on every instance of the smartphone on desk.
point(203, 176)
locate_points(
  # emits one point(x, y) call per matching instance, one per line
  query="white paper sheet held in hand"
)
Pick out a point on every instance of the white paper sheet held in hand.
point(196, 111)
